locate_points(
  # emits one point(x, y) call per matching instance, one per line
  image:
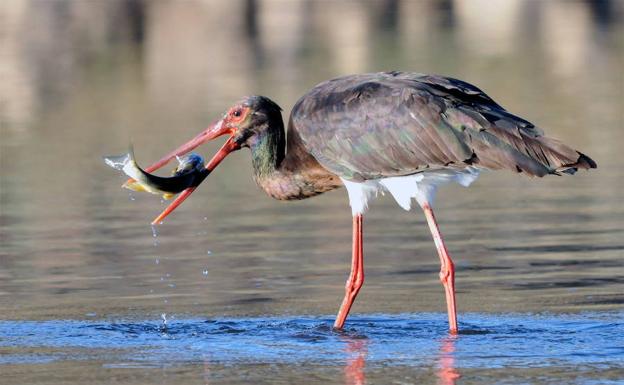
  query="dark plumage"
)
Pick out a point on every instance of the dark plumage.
point(393, 124)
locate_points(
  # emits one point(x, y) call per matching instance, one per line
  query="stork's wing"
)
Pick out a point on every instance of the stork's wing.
point(392, 124)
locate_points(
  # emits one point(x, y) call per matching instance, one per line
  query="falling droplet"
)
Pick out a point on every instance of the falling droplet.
point(164, 318)
point(205, 218)
point(209, 252)
point(131, 197)
point(155, 235)
point(205, 272)
point(172, 285)
point(157, 261)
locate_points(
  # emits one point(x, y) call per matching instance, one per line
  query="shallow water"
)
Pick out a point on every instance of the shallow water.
point(247, 284)
point(490, 349)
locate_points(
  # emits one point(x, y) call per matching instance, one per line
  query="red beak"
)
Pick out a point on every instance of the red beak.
point(215, 130)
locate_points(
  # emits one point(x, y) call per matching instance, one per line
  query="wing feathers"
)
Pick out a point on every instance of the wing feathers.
point(392, 124)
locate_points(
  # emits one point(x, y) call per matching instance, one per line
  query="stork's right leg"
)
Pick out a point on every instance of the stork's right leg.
point(447, 269)
point(356, 278)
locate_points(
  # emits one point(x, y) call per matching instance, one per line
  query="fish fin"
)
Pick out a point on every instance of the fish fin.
point(134, 186)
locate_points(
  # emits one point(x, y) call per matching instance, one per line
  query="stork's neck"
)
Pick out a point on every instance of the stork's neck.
point(287, 175)
point(268, 149)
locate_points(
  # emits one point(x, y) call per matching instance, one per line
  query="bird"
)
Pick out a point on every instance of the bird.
point(398, 132)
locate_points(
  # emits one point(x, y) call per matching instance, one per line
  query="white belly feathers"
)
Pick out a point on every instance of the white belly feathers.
point(421, 186)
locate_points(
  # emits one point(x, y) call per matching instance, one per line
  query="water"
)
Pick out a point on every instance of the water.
point(248, 285)
point(509, 348)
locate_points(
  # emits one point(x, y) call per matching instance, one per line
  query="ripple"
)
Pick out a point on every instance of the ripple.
point(485, 340)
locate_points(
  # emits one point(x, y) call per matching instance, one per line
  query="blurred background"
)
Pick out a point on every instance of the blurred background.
point(82, 79)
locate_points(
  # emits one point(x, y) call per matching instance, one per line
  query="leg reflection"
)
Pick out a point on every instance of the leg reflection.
point(206, 373)
point(446, 372)
point(357, 350)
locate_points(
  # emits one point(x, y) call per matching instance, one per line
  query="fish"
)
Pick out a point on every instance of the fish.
point(190, 172)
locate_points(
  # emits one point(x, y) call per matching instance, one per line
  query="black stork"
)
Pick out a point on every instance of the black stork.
point(404, 133)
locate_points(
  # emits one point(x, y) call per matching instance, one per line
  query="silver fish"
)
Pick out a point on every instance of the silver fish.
point(189, 173)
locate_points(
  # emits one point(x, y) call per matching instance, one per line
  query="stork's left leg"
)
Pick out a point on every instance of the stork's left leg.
point(447, 269)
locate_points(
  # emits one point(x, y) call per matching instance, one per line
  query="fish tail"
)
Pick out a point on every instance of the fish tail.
point(131, 152)
point(129, 166)
point(118, 162)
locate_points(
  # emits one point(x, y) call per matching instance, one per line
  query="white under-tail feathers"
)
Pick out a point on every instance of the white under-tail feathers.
point(421, 186)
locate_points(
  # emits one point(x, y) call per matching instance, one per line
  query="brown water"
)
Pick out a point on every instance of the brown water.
point(249, 285)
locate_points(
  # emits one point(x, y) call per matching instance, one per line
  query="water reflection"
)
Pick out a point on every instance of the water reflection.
point(220, 46)
point(206, 374)
point(357, 351)
point(446, 372)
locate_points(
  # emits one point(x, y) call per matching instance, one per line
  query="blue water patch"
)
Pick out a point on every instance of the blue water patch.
point(485, 341)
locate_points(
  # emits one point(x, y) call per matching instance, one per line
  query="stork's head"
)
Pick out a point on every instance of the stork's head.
point(251, 118)
point(245, 123)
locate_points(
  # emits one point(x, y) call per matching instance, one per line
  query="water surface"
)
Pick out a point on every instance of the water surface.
point(491, 348)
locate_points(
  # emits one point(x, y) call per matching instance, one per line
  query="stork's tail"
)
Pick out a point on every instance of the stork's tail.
point(535, 155)
point(560, 158)
point(583, 161)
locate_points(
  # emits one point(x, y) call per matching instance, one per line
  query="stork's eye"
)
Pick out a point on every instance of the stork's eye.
point(237, 114)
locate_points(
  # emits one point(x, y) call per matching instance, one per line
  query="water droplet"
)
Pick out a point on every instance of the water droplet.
point(205, 272)
point(157, 261)
point(131, 197)
point(162, 278)
point(154, 232)
point(209, 252)
point(167, 275)
point(151, 290)
point(164, 318)
point(205, 218)
point(172, 285)
point(166, 301)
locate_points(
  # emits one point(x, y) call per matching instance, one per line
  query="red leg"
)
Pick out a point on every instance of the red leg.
point(447, 270)
point(356, 278)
